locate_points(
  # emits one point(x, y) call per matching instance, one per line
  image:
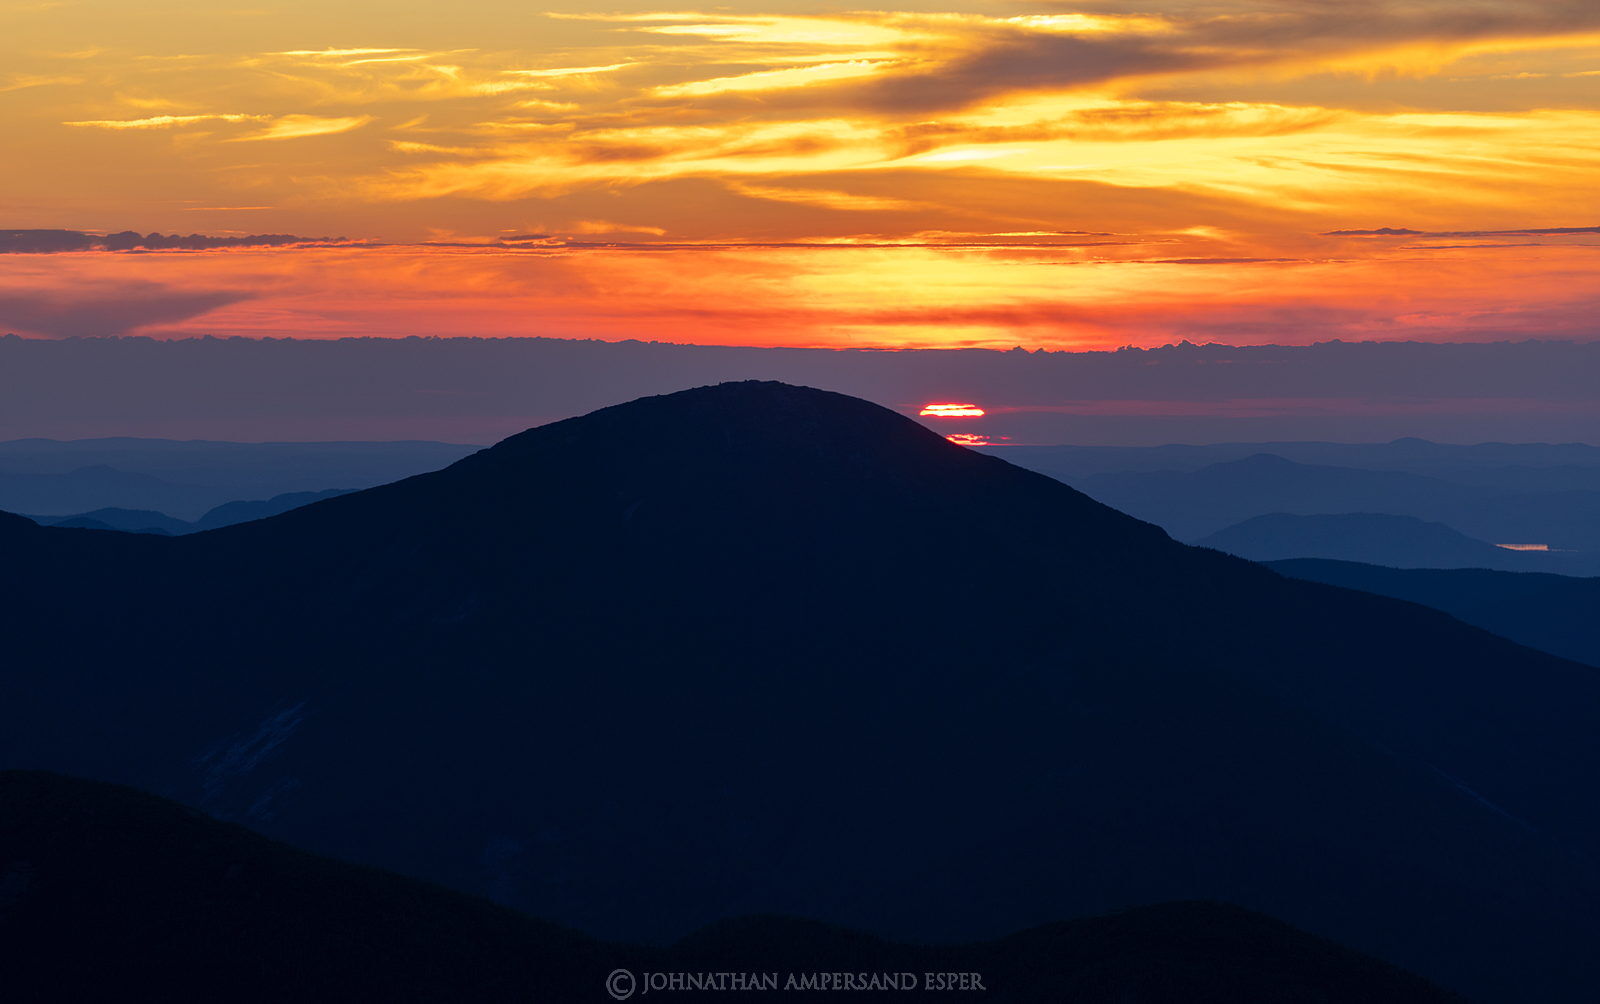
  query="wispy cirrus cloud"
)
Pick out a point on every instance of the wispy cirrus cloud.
point(302, 126)
point(784, 78)
point(165, 121)
point(22, 81)
point(752, 96)
point(107, 310)
point(292, 126)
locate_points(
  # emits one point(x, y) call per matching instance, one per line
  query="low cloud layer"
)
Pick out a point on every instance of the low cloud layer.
point(56, 241)
point(1406, 232)
point(1037, 289)
point(480, 390)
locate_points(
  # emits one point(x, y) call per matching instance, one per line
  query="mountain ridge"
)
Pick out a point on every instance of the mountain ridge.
point(206, 910)
point(1373, 538)
point(1552, 613)
point(587, 673)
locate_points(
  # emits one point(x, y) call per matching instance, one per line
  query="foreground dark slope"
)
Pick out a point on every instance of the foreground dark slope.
point(759, 648)
point(172, 905)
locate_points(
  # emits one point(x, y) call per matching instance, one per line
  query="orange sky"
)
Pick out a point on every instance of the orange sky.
point(967, 174)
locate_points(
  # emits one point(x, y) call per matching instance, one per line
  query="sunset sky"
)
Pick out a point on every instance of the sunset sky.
point(980, 173)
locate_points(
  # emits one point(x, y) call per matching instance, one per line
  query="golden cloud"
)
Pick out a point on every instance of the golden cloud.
point(767, 107)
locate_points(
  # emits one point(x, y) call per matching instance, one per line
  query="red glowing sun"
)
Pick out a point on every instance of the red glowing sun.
point(952, 411)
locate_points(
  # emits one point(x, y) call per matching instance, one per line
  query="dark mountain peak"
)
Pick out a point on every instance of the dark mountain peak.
point(737, 480)
point(828, 503)
point(742, 417)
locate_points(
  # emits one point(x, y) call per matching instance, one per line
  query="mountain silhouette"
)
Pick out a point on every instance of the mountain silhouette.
point(204, 910)
point(127, 520)
point(1512, 467)
point(756, 648)
point(98, 486)
point(1193, 504)
point(1379, 539)
point(1552, 613)
point(149, 521)
point(242, 511)
point(186, 478)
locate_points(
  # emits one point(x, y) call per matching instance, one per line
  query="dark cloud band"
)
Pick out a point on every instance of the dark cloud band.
point(59, 241)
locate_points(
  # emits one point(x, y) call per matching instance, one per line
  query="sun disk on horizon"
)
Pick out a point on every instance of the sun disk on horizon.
point(951, 411)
